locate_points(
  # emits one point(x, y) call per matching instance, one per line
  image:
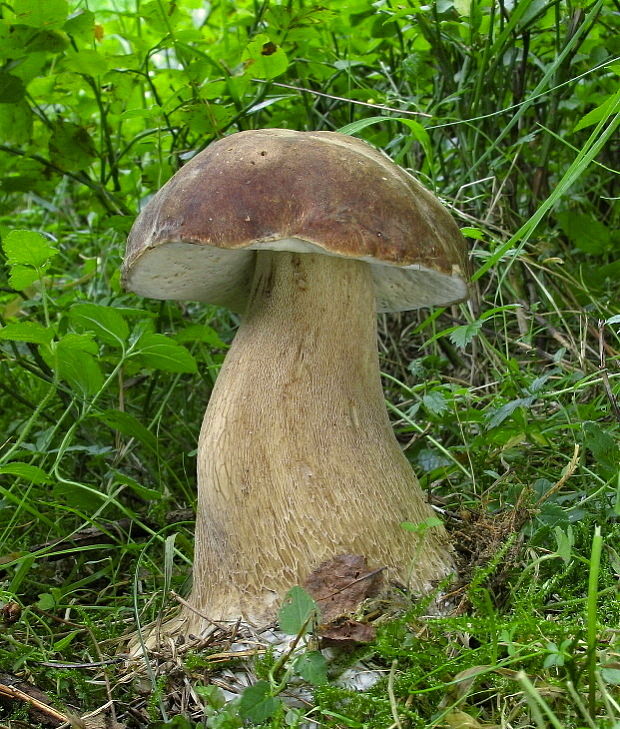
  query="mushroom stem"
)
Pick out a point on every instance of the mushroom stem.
point(297, 461)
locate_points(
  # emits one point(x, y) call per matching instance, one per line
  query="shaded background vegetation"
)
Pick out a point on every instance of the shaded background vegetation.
point(507, 405)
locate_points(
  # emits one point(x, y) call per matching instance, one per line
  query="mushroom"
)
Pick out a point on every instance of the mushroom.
point(308, 235)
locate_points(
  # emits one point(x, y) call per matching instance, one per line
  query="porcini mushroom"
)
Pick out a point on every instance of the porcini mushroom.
point(308, 235)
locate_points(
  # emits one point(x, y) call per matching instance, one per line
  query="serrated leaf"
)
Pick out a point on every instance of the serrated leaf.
point(128, 425)
point(26, 471)
point(296, 612)
point(256, 703)
point(26, 331)
point(435, 402)
point(41, 13)
point(22, 277)
point(462, 336)
point(162, 353)
point(107, 323)
point(312, 667)
point(28, 248)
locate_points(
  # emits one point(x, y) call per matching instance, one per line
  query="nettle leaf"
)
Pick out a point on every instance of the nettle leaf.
point(263, 58)
point(256, 703)
point(41, 13)
point(12, 88)
point(462, 336)
point(106, 322)
point(71, 147)
point(26, 331)
point(28, 248)
point(26, 471)
point(162, 353)
point(435, 402)
point(297, 611)
point(312, 667)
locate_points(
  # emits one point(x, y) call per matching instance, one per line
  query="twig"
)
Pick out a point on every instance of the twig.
point(16, 694)
point(178, 598)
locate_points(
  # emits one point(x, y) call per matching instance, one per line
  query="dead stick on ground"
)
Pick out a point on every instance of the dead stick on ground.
point(11, 692)
point(570, 469)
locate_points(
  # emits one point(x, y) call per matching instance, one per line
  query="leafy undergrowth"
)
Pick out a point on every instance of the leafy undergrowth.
point(507, 406)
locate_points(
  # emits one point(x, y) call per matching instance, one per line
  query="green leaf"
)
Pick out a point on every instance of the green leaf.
point(26, 471)
point(611, 676)
point(312, 667)
point(12, 88)
point(200, 333)
point(22, 277)
point(150, 495)
point(595, 115)
point(435, 402)
point(128, 425)
point(263, 58)
point(46, 601)
point(15, 123)
point(585, 231)
point(162, 353)
point(462, 336)
point(80, 23)
point(106, 322)
point(70, 146)
point(73, 364)
point(496, 417)
point(256, 703)
point(85, 61)
point(28, 247)
point(26, 331)
point(603, 446)
point(297, 611)
point(41, 13)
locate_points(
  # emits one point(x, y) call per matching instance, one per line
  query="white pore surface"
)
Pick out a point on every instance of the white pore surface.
point(193, 272)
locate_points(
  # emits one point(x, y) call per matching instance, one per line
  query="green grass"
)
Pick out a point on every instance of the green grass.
point(507, 405)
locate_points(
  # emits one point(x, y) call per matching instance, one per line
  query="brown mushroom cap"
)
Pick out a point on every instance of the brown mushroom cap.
point(278, 189)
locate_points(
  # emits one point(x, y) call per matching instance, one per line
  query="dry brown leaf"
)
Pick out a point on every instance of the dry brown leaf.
point(341, 584)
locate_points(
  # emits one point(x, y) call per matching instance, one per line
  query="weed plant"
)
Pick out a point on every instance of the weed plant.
point(507, 406)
